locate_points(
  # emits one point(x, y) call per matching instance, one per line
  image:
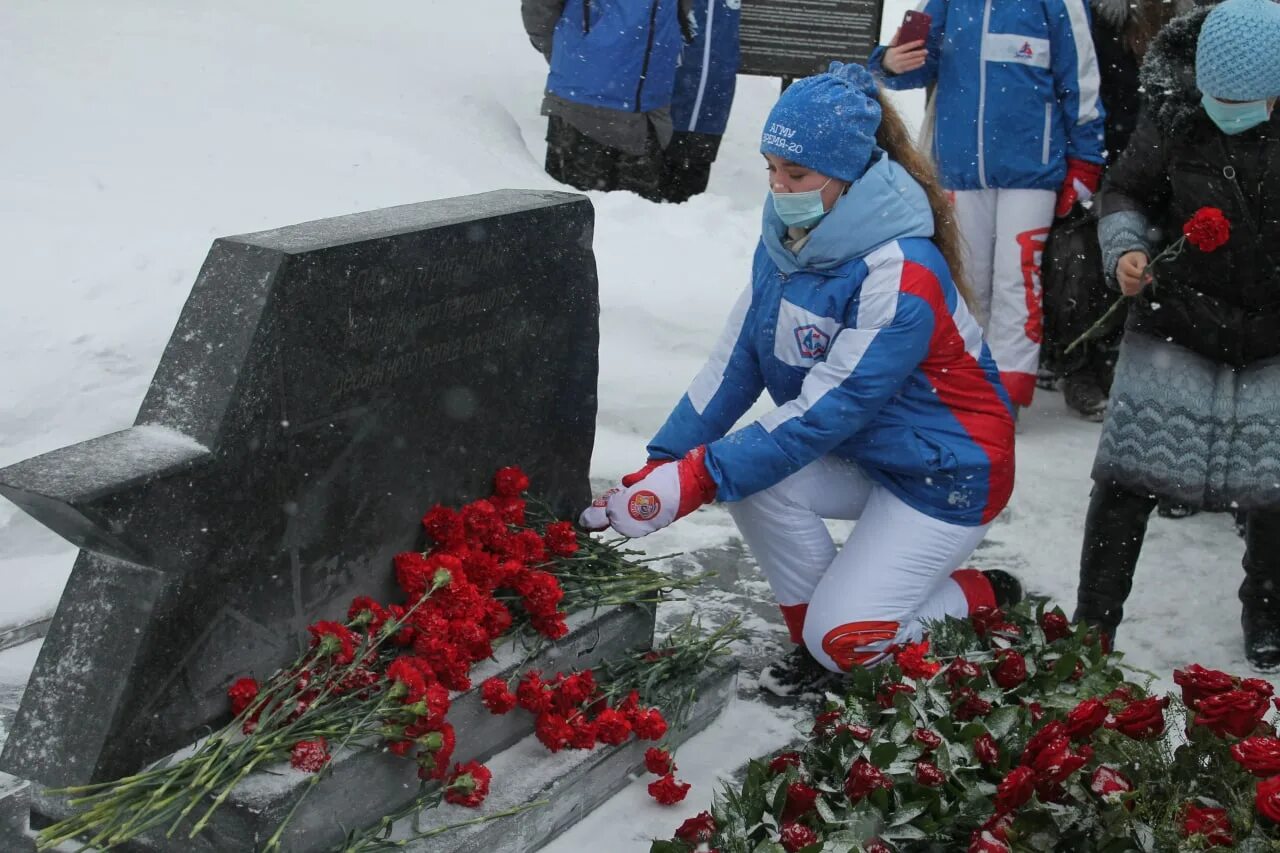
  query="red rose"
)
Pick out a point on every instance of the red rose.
point(928, 774)
point(334, 639)
point(658, 761)
point(649, 724)
point(886, 694)
point(986, 750)
point(1258, 685)
point(697, 829)
point(859, 732)
point(509, 482)
point(1107, 781)
point(242, 694)
point(985, 619)
point(780, 763)
point(1035, 710)
point(1015, 790)
point(468, 785)
point(561, 539)
point(962, 670)
point(1143, 719)
point(1086, 718)
point(533, 693)
point(801, 800)
point(1235, 712)
point(553, 730)
point(612, 727)
point(310, 756)
point(1197, 682)
point(1267, 799)
point(1010, 669)
point(875, 845)
point(824, 723)
point(1258, 755)
point(927, 739)
point(1212, 823)
point(496, 696)
point(1056, 762)
point(1055, 626)
point(911, 660)
point(864, 777)
point(668, 791)
point(983, 841)
point(795, 836)
point(1207, 229)
point(969, 705)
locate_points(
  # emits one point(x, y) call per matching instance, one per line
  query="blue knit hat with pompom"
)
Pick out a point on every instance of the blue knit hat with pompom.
point(827, 122)
point(1238, 52)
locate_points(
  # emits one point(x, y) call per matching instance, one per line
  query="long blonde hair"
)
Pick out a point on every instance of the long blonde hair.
point(893, 137)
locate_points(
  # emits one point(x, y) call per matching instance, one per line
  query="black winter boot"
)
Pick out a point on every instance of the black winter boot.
point(1114, 528)
point(1007, 588)
point(1260, 592)
point(796, 674)
point(1084, 395)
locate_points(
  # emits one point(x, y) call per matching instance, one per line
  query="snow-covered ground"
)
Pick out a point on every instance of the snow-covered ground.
point(139, 131)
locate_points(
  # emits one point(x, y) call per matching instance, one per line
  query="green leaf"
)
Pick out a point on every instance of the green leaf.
point(908, 812)
point(668, 847)
point(768, 846)
point(1002, 720)
point(903, 833)
point(883, 754)
point(824, 810)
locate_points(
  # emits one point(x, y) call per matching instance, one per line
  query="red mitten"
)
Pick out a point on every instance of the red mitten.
point(667, 493)
point(649, 466)
point(1080, 184)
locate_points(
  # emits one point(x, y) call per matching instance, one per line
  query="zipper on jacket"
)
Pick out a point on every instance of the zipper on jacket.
point(982, 96)
point(586, 17)
point(648, 50)
point(1048, 131)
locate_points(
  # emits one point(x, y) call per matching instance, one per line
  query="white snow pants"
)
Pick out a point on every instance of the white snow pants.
point(1005, 231)
point(897, 570)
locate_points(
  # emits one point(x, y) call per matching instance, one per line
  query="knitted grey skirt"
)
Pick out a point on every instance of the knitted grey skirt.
point(1191, 429)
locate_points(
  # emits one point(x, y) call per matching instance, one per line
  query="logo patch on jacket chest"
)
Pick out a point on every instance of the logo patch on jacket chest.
point(812, 341)
point(802, 336)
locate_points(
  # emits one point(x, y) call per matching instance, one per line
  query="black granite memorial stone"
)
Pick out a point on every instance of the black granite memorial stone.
point(326, 383)
point(797, 38)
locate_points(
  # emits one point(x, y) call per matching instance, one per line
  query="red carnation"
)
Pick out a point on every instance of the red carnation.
point(437, 739)
point(468, 785)
point(242, 694)
point(927, 739)
point(986, 750)
point(1143, 719)
point(553, 730)
point(1086, 718)
point(444, 526)
point(510, 482)
point(405, 672)
point(367, 613)
point(801, 799)
point(1055, 626)
point(1207, 229)
point(1267, 799)
point(1107, 781)
point(1212, 823)
point(928, 774)
point(511, 510)
point(1259, 756)
point(533, 694)
point(1010, 669)
point(781, 762)
point(911, 660)
point(1015, 790)
point(561, 539)
point(649, 724)
point(695, 830)
point(1197, 683)
point(553, 626)
point(658, 761)
point(496, 696)
point(575, 690)
point(334, 639)
point(584, 733)
point(795, 836)
point(1235, 712)
point(413, 573)
point(310, 756)
point(612, 727)
point(668, 791)
point(864, 777)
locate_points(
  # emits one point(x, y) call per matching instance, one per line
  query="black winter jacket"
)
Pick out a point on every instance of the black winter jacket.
point(1225, 304)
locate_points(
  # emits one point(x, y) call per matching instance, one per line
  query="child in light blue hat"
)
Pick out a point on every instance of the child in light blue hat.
point(1238, 63)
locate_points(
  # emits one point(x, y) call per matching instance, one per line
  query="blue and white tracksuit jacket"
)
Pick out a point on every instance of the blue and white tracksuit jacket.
point(1017, 91)
point(708, 71)
point(866, 347)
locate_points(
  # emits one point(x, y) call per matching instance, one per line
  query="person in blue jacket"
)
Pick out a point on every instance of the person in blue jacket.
point(608, 96)
point(889, 408)
point(1018, 139)
point(705, 82)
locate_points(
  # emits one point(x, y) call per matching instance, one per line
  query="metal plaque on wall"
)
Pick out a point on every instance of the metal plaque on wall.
point(797, 38)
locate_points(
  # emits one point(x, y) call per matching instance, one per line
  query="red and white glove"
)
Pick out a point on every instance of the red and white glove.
point(1080, 184)
point(653, 499)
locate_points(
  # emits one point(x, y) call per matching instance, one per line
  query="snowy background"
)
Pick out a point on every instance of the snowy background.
point(140, 131)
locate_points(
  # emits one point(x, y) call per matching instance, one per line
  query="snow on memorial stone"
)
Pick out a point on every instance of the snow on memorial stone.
point(325, 384)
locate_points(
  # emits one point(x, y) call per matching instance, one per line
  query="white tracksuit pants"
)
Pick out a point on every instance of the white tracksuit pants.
point(1005, 231)
point(897, 569)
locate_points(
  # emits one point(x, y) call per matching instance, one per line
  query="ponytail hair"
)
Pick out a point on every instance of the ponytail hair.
point(893, 137)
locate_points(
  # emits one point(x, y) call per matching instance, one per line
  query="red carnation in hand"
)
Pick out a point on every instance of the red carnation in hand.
point(697, 829)
point(468, 785)
point(795, 836)
point(510, 482)
point(1086, 718)
point(1142, 720)
point(1212, 823)
point(864, 777)
point(242, 694)
point(658, 761)
point(986, 750)
point(649, 724)
point(911, 660)
point(1235, 712)
point(1010, 669)
point(781, 762)
point(1055, 626)
point(801, 799)
point(668, 791)
point(1207, 229)
point(561, 539)
point(1197, 683)
point(1259, 756)
point(928, 774)
point(496, 696)
point(310, 756)
point(612, 727)
point(1015, 790)
point(334, 639)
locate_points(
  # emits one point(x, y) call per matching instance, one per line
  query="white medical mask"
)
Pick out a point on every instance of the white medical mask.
point(1235, 118)
point(800, 210)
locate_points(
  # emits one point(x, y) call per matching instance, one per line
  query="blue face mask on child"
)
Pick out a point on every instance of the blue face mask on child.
point(800, 210)
point(1235, 118)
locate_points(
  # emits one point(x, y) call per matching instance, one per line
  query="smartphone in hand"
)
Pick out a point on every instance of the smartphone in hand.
point(915, 27)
